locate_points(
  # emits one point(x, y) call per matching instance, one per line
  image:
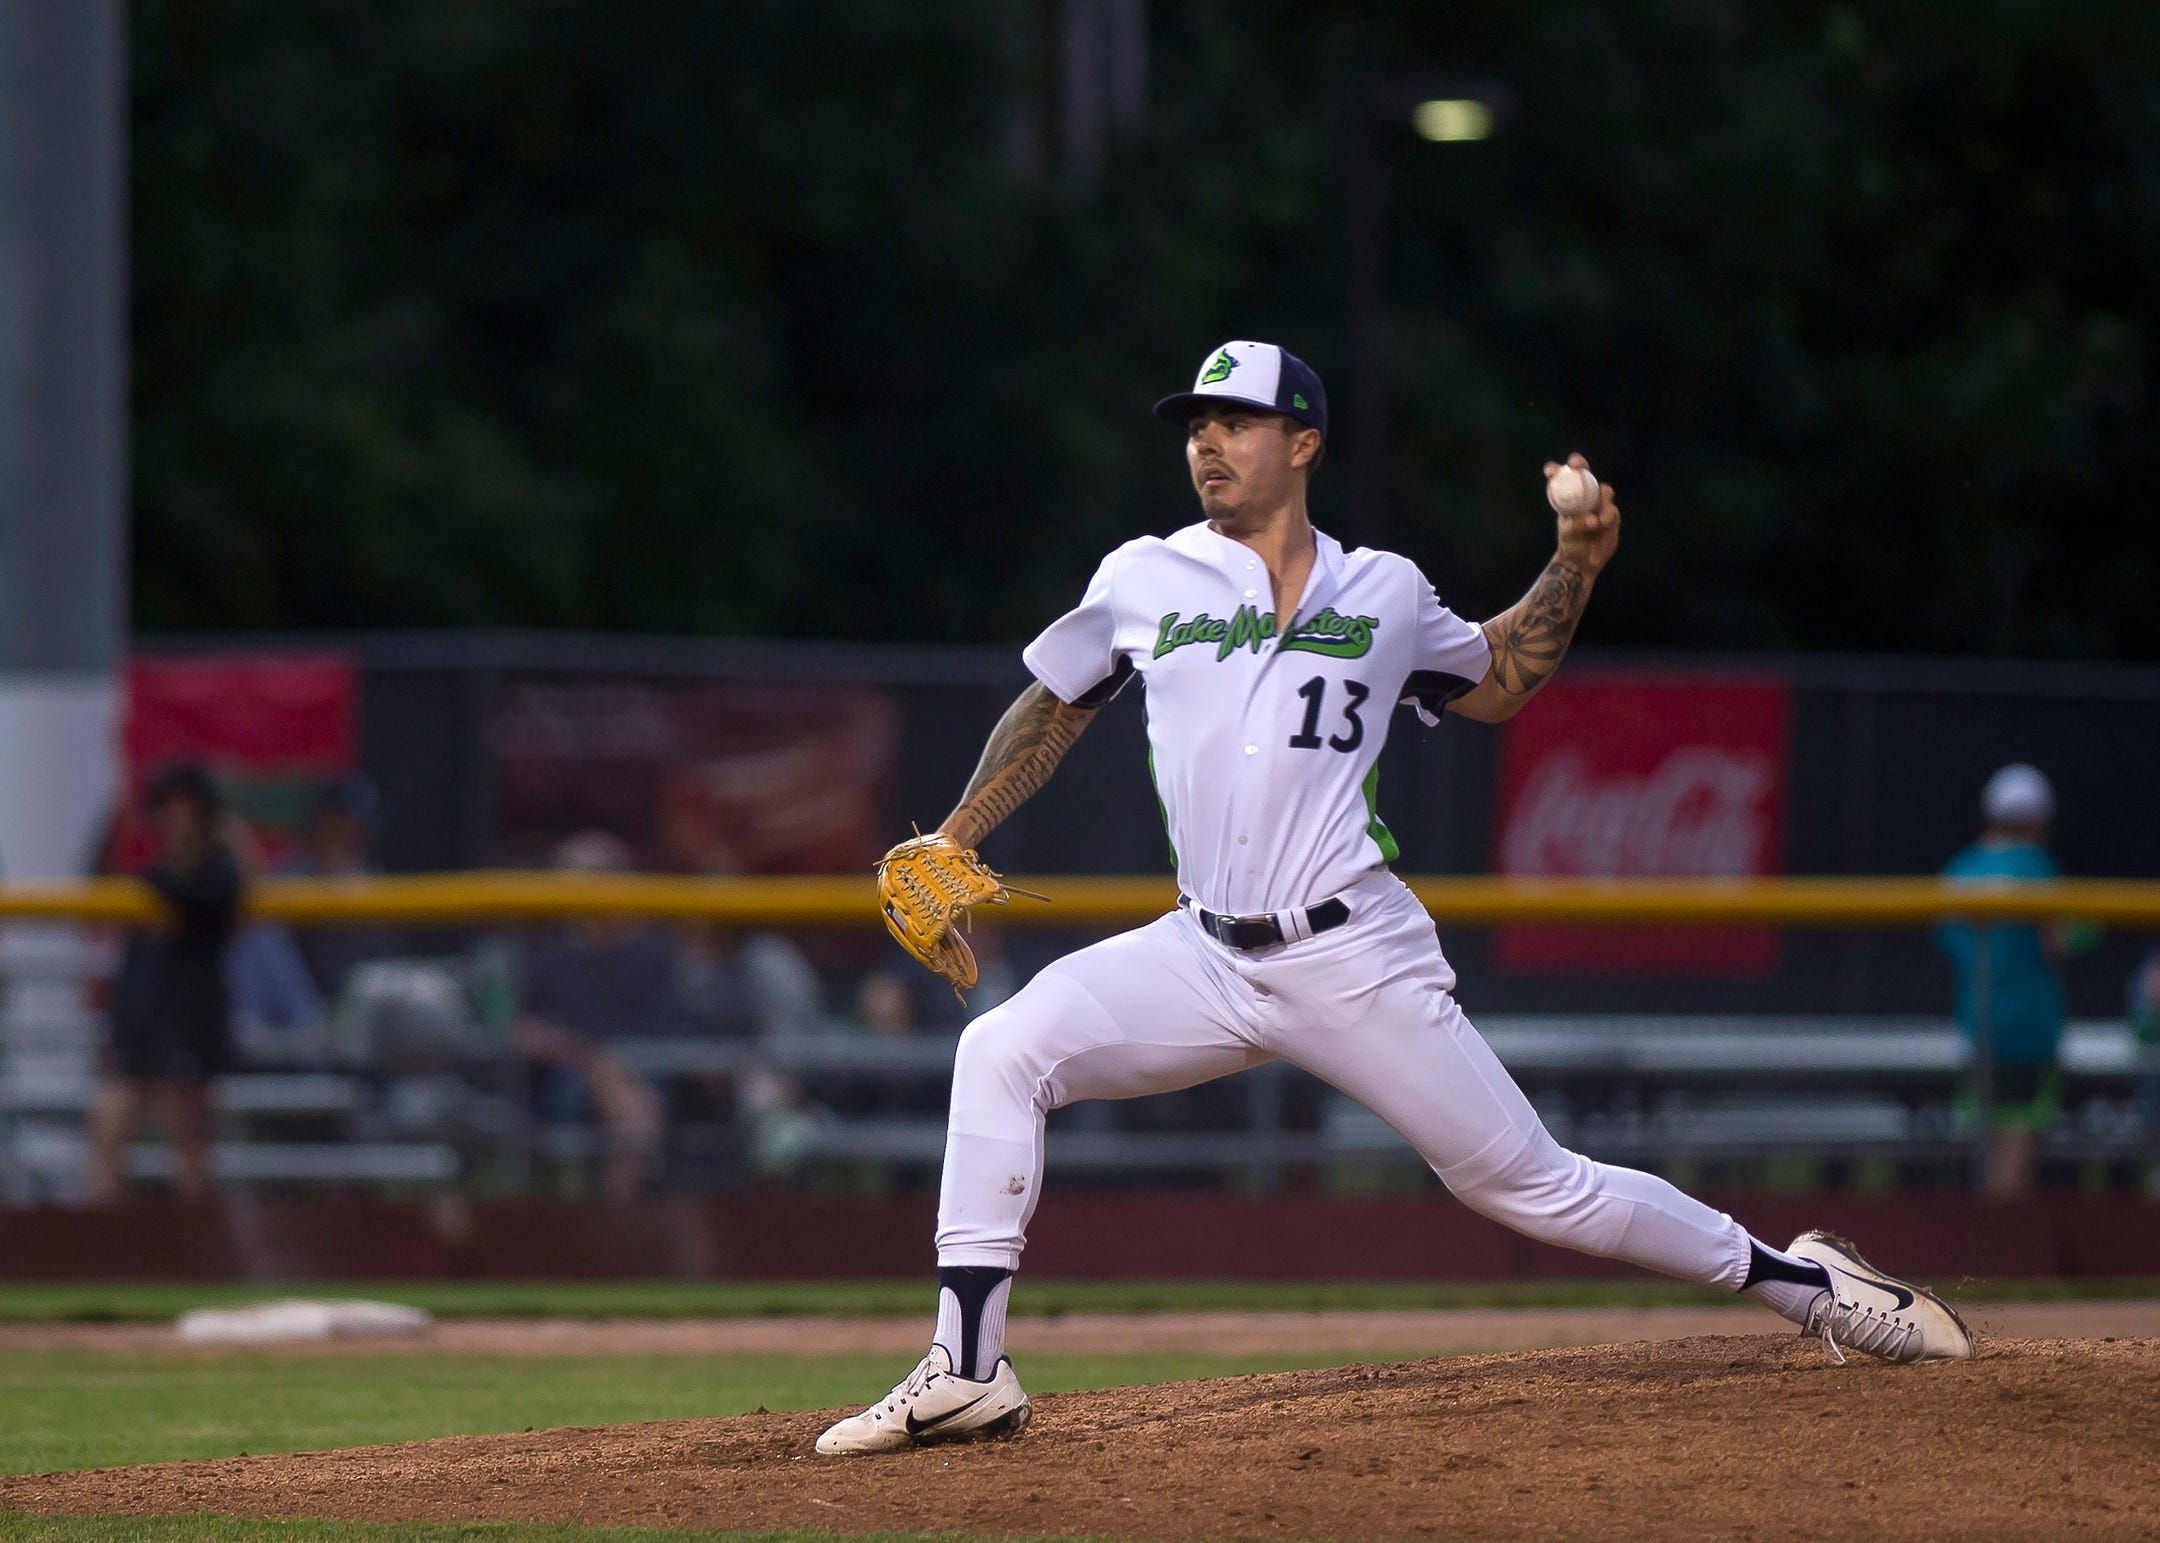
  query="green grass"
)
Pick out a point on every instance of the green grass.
point(89, 1409)
point(131, 1302)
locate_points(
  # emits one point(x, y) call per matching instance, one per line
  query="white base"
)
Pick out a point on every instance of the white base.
point(300, 1319)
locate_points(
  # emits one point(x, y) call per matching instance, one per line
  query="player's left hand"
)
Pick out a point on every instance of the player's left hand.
point(926, 888)
point(1589, 537)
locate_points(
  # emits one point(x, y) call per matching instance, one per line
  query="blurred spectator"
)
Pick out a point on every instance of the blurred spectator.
point(889, 1005)
point(2144, 1012)
point(784, 1123)
point(276, 1012)
point(170, 1031)
point(2023, 994)
point(884, 1006)
point(747, 985)
point(585, 985)
point(753, 989)
point(338, 843)
point(997, 980)
point(904, 999)
point(340, 835)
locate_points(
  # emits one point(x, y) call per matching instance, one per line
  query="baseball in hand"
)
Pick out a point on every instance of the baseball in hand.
point(1572, 490)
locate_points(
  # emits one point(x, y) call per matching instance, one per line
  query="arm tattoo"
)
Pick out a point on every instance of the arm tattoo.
point(1528, 639)
point(1023, 751)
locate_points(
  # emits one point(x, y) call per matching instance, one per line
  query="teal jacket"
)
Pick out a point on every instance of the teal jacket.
point(2025, 997)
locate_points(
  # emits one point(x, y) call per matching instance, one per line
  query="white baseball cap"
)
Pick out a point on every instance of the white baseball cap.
point(1261, 374)
point(2018, 795)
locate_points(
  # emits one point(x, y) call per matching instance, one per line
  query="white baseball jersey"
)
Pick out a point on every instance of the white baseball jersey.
point(1264, 742)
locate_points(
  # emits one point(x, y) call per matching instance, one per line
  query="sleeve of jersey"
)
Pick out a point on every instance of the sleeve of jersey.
point(1077, 655)
point(1452, 656)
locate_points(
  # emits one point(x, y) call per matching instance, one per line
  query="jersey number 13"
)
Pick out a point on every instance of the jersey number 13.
point(1308, 735)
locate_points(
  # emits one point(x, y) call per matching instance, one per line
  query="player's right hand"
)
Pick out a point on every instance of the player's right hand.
point(1589, 537)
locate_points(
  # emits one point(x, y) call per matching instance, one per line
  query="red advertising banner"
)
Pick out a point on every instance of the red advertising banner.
point(271, 728)
point(1644, 776)
point(696, 778)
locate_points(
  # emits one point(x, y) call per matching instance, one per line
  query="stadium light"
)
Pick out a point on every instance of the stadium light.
point(1448, 119)
point(1440, 107)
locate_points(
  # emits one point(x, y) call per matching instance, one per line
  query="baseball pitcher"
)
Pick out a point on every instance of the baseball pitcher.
point(1272, 659)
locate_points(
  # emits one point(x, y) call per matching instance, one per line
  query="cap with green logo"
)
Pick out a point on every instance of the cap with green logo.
point(1258, 374)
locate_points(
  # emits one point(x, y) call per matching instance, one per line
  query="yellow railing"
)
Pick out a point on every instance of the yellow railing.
point(848, 899)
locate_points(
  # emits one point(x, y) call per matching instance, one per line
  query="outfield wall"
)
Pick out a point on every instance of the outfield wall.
point(466, 735)
point(1162, 1235)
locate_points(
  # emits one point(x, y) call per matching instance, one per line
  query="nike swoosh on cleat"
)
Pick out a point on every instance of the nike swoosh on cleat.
point(917, 1427)
point(1897, 1294)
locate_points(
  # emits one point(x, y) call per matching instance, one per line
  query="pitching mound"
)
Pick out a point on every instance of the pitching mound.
point(1695, 1438)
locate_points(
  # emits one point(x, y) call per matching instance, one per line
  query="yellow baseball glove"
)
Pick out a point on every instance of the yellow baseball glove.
point(926, 886)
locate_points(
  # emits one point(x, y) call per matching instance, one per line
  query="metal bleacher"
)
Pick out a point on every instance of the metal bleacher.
point(1642, 1089)
point(50, 1034)
point(1649, 1089)
point(1633, 1089)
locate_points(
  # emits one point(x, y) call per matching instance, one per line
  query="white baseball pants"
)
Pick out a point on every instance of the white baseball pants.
point(1365, 1008)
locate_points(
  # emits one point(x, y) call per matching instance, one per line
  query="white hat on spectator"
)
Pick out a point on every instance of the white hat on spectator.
point(594, 851)
point(2018, 795)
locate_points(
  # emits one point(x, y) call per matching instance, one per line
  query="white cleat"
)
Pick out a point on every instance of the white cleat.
point(934, 1405)
point(1869, 1310)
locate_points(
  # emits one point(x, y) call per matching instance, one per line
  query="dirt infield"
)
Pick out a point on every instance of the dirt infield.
point(1706, 1437)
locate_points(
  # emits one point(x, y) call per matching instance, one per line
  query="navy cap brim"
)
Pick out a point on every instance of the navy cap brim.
point(1180, 408)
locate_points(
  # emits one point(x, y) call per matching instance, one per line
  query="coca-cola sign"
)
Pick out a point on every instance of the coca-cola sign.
point(1633, 776)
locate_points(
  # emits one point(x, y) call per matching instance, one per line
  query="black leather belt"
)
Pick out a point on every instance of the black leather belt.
point(1262, 931)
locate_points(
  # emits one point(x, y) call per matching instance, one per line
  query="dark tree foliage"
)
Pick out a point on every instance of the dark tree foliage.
point(762, 318)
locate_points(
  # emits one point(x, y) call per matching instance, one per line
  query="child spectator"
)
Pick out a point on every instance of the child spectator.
point(170, 1034)
point(2023, 994)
